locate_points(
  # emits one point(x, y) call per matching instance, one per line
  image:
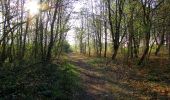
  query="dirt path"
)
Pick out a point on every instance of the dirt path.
point(111, 83)
point(93, 81)
point(96, 83)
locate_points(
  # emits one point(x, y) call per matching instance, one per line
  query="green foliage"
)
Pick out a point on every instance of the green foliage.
point(39, 81)
point(96, 61)
point(66, 47)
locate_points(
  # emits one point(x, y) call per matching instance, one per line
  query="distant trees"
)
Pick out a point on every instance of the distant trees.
point(139, 26)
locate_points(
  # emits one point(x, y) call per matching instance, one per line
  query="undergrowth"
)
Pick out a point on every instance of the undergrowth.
point(39, 81)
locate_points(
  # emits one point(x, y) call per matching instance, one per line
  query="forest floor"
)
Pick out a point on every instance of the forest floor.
point(116, 81)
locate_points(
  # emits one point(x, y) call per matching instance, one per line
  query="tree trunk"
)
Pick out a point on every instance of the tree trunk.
point(50, 46)
point(147, 39)
point(160, 45)
point(24, 41)
point(105, 31)
point(169, 44)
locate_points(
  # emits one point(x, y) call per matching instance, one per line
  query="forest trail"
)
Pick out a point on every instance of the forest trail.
point(97, 84)
point(109, 83)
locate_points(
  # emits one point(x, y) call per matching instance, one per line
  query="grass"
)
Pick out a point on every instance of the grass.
point(95, 61)
point(39, 81)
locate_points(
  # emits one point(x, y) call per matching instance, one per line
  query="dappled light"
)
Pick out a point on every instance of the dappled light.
point(116, 81)
point(84, 50)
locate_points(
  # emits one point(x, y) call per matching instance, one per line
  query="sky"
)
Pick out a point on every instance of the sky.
point(74, 21)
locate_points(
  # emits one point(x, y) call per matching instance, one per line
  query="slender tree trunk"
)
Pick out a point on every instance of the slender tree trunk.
point(35, 50)
point(135, 47)
point(169, 44)
point(147, 26)
point(111, 24)
point(25, 35)
point(160, 45)
point(147, 40)
point(89, 48)
point(105, 31)
point(21, 30)
point(52, 34)
point(100, 40)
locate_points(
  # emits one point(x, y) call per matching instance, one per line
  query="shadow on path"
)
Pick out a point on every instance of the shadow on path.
point(96, 84)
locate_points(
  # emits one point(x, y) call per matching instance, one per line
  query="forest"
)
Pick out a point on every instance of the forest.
point(84, 49)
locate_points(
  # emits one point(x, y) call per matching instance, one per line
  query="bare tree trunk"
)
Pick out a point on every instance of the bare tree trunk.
point(52, 34)
point(147, 39)
point(105, 31)
point(110, 22)
point(24, 41)
point(35, 50)
point(147, 26)
point(160, 45)
point(169, 44)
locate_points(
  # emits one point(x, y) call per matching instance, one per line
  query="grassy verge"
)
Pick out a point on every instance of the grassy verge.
point(39, 81)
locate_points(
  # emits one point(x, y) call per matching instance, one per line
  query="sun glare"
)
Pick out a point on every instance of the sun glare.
point(32, 7)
